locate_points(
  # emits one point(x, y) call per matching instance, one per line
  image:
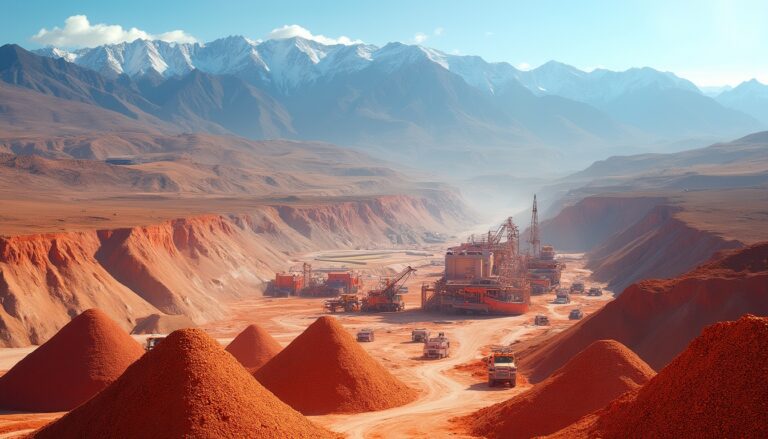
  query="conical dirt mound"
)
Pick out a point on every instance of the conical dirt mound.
point(716, 388)
point(186, 387)
point(658, 319)
point(324, 370)
point(253, 347)
point(85, 356)
point(602, 372)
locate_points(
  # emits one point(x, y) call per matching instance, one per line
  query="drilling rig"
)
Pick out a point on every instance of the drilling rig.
point(534, 242)
point(543, 270)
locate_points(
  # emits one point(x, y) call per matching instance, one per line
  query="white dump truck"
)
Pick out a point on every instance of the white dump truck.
point(419, 335)
point(502, 367)
point(562, 297)
point(365, 334)
point(437, 347)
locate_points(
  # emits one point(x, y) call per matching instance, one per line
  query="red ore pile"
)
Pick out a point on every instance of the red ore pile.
point(187, 387)
point(324, 370)
point(253, 347)
point(716, 388)
point(596, 376)
point(80, 360)
point(657, 319)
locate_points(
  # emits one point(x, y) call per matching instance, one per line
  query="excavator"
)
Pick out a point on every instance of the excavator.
point(388, 298)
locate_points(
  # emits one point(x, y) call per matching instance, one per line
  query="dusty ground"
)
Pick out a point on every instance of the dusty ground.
point(446, 391)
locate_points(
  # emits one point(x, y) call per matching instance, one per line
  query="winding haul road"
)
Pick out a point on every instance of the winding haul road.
point(445, 396)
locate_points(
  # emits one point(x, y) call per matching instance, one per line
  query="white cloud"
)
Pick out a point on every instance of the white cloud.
point(420, 37)
point(294, 30)
point(488, 34)
point(79, 32)
point(438, 31)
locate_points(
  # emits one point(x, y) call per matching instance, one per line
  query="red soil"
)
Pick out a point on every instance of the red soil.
point(324, 370)
point(658, 318)
point(592, 379)
point(715, 388)
point(253, 347)
point(83, 358)
point(476, 368)
point(186, 387)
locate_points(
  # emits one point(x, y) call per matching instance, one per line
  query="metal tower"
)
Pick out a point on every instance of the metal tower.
point(533, 240)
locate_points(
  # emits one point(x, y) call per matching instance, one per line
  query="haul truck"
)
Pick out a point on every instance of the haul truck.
point(502, 367)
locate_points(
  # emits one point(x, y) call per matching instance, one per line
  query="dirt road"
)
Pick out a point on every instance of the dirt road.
point(445, 393)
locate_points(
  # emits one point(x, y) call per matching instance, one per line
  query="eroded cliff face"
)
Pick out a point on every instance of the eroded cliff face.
point(190, 266)
point(658, 245)
point(591, 221)
point(45, 280)
point(631, 238)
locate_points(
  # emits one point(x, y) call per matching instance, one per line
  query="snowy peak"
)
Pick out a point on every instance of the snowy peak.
point(287, 64)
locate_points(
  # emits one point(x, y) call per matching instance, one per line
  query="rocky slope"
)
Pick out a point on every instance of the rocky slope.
point(659, 245)
point(188, 266)
point(658, 318)
point(635, 236)
point(588, 223)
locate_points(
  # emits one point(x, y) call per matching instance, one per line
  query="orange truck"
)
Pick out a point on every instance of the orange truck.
point(285, 284)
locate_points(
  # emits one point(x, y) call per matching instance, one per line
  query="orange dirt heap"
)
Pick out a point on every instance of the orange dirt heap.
point(324, 370)
point(85, 356)
point(253, 347)
point(715, 388)
point(186, 387)
point(657, 319)
point(592, 379)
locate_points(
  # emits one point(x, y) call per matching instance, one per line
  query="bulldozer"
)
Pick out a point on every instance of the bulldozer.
point(344, 302)
point(388, 298)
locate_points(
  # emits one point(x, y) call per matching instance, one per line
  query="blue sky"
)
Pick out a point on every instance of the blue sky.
point(711, 42)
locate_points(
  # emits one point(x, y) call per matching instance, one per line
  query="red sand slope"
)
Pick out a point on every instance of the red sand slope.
point(186, 387)
point(324, 370)
point(658, 318)
point(592, 379)
point(84, 357)
point(716, 388)
point(253, 347)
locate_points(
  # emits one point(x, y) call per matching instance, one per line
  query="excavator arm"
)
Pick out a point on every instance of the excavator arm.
point(392, 287)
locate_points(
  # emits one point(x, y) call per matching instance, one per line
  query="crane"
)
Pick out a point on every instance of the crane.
point(388, 298)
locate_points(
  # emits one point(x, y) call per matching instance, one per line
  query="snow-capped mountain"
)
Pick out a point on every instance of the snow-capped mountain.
point(404, 101)
point(284, 63)
point(290, 63)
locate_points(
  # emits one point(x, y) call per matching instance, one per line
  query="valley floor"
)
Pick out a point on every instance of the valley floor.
point(447, 387)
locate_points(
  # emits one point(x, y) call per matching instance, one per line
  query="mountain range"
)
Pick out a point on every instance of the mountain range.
point(402, 102)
